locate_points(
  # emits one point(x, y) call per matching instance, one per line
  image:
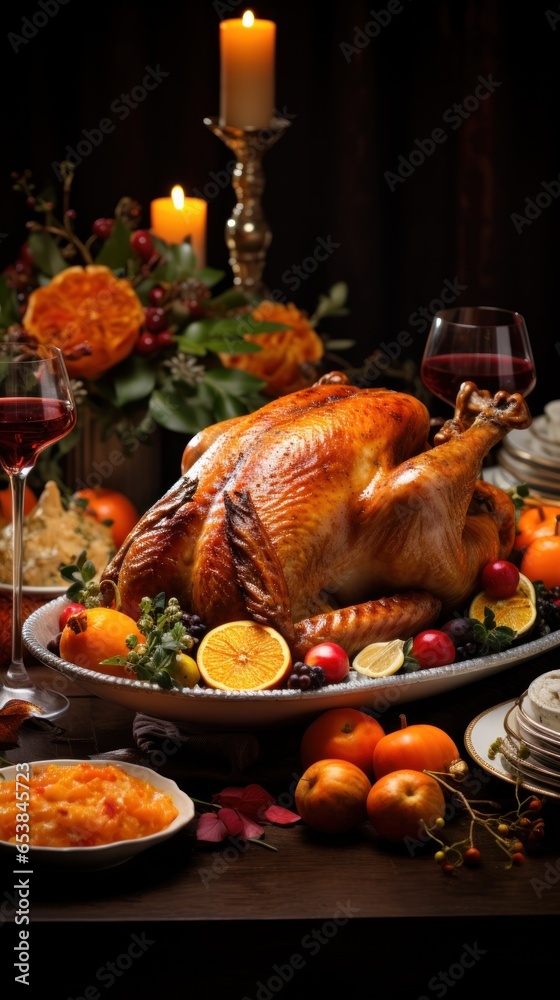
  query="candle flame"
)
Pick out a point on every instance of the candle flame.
point(248, 19)
point(178, 197)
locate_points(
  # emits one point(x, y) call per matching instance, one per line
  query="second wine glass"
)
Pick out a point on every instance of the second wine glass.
point(481, 344)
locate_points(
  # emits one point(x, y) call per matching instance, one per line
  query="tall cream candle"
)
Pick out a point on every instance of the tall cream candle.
point(247, 63)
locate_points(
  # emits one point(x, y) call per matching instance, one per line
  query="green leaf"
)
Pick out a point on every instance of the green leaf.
point(339, 345)
point(46, 254)
point(228, 345)
point(338, 294)
point(233, 381)
point(178, 413)
point(230, 299)
point(9, 312)
point(134, 379)
point(210, 276)
point(115, 251)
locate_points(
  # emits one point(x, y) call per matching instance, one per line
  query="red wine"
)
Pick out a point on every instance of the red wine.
point(444, 373)
point(29, 424)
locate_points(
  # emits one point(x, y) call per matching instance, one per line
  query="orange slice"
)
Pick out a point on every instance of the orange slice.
point(243, 656)
point(518, 612)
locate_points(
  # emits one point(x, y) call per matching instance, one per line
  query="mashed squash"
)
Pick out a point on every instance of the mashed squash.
point(85, 805)
point(55, 537)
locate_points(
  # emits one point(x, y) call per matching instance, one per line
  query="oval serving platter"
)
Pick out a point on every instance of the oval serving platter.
point(209, 708)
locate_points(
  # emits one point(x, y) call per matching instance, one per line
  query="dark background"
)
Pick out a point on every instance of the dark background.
point(353, 116)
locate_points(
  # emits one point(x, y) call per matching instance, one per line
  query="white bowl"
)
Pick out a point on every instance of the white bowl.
point(106, 855)
point(544, 698)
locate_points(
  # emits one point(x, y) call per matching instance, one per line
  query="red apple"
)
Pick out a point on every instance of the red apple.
point(400, 802)
point(331, 796)
point(332, 658)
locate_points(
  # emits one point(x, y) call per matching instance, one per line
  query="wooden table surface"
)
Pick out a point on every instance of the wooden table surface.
point(349, 911)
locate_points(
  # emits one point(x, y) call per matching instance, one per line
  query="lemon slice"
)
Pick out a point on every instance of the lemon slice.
point(380, 659)
point(518, 612)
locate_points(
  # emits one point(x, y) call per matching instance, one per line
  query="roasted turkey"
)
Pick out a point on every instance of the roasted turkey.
point(328, 515)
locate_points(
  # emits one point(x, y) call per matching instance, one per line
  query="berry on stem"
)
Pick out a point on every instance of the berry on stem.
point(142, 245)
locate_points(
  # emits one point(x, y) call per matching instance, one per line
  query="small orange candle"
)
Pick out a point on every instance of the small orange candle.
point(247, 63)
point(176, 218)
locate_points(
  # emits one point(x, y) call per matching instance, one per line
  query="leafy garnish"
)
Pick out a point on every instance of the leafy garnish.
point(489, 637)
point(84, 588)
point(165, 637)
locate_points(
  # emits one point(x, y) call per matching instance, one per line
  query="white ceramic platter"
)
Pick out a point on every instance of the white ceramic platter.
point(482, 732)
point(106, 855)
point(206, 708)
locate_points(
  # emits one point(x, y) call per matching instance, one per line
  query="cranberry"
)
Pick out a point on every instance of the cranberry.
point(165, 338)
point(146, 344)
point(156, 295)
point(25, 255)
point(195, 309)
point(142, 245)
point(472, 856)
point(102, 228)
point(155, 319)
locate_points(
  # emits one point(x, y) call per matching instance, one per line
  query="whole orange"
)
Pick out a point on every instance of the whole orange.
point(96, 634)
point(331, 796)
point(541, 561)
point(109, 505)
point(420, 747)
point(531, 521)
point(400, 802)
point(29, 501)
point(342, 733)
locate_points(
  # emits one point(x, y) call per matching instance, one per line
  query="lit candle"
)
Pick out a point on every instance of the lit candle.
point(247, 63)
point(176, 218)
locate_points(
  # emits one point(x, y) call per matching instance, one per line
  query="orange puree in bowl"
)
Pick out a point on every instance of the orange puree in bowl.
point(85, 805)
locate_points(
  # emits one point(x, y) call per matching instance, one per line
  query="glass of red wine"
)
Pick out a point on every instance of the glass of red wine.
point(481, 344)
point(37, 408)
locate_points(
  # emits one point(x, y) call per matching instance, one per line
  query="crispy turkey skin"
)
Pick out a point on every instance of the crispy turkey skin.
point(328, 515)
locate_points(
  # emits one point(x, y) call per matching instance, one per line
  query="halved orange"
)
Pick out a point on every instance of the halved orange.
point(518, 612)
point(243, 656)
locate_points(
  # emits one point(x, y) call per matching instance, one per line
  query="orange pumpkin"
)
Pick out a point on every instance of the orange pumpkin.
point(288, 359)
point(93, 316)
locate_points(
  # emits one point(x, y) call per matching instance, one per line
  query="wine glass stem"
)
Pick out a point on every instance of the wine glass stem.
point(17, 671)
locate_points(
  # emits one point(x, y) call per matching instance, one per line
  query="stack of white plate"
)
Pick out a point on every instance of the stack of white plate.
point(530, 748)
point(532, 456)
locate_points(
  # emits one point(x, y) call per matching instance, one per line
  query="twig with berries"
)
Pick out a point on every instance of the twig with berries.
point(513, 832)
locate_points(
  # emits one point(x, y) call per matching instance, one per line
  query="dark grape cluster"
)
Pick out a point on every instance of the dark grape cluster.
point(194, 626)
point(548, 610)
point(305, 678)
point(460, 631)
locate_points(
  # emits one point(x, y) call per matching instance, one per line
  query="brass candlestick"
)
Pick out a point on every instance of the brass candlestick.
point(247, 233)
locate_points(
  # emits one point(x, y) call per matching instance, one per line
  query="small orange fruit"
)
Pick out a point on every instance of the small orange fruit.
point(533, 520)
point(243, 656)
point(29, 502)
point(541, 560)
point(109, 505)
point(97, 634)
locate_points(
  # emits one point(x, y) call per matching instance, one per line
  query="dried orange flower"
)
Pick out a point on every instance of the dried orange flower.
point(288, 358)
point(89, 310)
